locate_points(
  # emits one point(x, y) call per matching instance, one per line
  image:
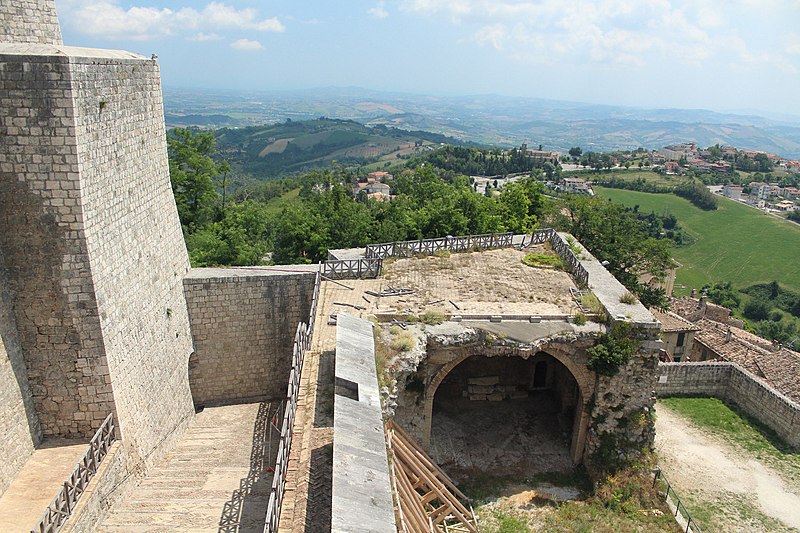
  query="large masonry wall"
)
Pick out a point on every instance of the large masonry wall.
point(135, 245)
point(18, 423)
point(29, 21)
point(730, 382)
point(43, 241)
point(243, 324)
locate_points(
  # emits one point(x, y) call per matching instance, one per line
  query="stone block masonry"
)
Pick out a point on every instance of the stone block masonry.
point(243, 324)
point(92, 242)
point(29, 21)
point(732, 383)
point(19, 425)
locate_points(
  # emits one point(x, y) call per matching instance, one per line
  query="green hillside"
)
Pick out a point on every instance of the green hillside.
point(297, 146)
point(735, 243)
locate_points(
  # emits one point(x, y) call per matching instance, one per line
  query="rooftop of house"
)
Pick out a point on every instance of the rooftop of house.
point(670, 322)
point(777, 365)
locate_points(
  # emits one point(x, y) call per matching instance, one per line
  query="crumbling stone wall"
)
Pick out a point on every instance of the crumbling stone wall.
point(29, 21)
point(622, 411)
point(243, 324)
point(19, 425)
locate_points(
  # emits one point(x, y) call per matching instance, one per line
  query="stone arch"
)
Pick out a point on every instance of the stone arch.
point(584, 378)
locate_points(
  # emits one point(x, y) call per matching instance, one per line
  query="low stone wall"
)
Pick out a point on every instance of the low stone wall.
point(107, 487)
point(732, 383)
point(243, 324)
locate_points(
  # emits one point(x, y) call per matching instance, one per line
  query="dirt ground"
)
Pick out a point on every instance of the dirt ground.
point(493, 281)
point(509, 438)
point(736, 491)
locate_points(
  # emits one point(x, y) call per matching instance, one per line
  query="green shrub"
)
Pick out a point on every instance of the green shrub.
point(580, 319)
point(628, 298)
point(432, 317)
point(403, 343)
point(543, 260)
point(613, 351)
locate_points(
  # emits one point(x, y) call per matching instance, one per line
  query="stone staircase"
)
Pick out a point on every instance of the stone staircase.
point(215, 479)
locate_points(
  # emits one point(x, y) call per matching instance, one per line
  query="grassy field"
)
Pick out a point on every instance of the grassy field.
point(287, 199)
point(735, 243)
point(633, 174)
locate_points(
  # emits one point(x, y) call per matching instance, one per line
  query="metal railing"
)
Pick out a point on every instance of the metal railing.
point(66, 499)
point(671, 497)
point(302, 343)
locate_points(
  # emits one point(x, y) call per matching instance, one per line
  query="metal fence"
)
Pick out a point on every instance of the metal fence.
point(64, 503)
point(575, 267)
point(671, 497)
point(302, 343)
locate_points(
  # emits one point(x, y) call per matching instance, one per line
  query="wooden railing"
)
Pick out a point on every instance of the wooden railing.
point(369, 267)
point(302, 343)
point(63, 504)
point(429, 246)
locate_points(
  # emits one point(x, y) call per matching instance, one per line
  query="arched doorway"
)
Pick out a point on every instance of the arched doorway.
point(507, 415)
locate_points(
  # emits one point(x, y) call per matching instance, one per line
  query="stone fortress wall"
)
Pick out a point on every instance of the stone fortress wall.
point(731, 383)
point(19, 424)
point(29, 21)
point(243, 323)
point(92, 313)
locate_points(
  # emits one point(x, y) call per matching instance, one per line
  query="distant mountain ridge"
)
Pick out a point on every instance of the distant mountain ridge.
point(494, 119)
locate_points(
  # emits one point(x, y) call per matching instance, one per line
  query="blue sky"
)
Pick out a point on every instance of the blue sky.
point(720, 55)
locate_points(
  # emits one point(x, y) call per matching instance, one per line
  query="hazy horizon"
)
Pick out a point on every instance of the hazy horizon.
point(682, 54)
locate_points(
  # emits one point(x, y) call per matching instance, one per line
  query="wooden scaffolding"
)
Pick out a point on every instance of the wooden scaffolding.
point(428, 500)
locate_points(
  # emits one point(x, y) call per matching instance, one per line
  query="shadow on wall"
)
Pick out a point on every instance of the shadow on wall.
point(246, 510)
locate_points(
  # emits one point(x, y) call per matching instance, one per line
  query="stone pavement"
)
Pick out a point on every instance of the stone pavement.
point(43, 475)
point(215, 479)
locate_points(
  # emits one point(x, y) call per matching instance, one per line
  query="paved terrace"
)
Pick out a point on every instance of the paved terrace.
point(22, 504)
point(215, 479)
point(487, 283)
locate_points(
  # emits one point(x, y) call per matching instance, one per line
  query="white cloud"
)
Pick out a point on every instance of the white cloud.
point(202, 37)
point(793, 44)
point(379, 11)
point(247, 45)
point(107, 19)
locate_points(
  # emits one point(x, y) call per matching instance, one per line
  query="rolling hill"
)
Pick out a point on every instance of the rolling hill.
point(297, 146)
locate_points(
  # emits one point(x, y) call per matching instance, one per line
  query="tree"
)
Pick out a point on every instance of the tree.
point(192, 171)
point(575, 152)
point(616, 235)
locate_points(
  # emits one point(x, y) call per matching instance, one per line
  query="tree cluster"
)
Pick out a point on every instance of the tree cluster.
point(698, 194)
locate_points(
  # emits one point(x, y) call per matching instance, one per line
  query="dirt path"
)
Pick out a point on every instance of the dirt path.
point(733, 490)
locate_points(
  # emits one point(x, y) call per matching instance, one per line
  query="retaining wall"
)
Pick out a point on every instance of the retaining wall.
point(732, 383)
point(243, 324)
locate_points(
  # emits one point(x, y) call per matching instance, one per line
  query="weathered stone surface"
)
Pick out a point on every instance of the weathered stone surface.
point(92, 243)
point(730, 382)
point(243, 325)
point(18, 422)
point(29, 21)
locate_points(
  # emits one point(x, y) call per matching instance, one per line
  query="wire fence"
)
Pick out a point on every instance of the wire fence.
point(673, 501)
point(66, 499)
point(302, 343)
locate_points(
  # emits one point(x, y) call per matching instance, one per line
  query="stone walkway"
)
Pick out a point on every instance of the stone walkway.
point(43, 475)
point(215, 479)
